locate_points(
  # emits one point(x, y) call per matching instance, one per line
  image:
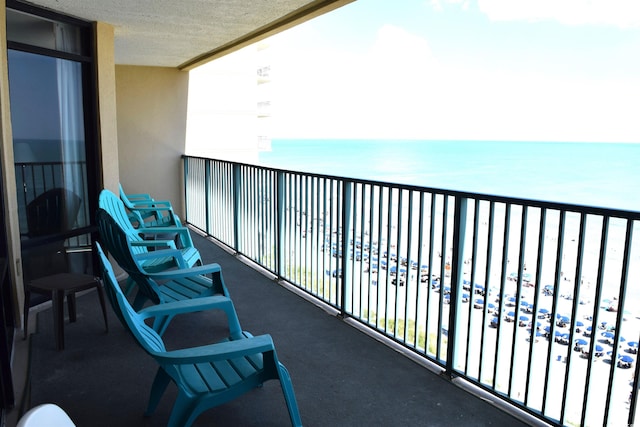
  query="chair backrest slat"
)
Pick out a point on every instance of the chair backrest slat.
point(116, 242)
point(145, 336)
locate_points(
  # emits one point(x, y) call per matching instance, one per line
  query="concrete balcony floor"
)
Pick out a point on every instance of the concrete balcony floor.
point(342, 376)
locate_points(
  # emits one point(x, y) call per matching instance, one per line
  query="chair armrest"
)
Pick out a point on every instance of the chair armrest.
point(155, 243)
point(218, 302)
point(187, 306)
point(151, 204)
point(176, 254)
point(221, 351)
point(182, 232)
point(140, 196)
point(185, 272)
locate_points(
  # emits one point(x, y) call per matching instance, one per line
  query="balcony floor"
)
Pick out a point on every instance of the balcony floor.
point(342, 376)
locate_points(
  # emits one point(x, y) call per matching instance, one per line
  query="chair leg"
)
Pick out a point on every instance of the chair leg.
point(160, 383)
point(183, 413)
point(289, 395)
point(71, 303)
point(102, 304)
point(58, 318)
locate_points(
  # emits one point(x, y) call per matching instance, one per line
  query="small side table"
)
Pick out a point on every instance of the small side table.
point(57, 286)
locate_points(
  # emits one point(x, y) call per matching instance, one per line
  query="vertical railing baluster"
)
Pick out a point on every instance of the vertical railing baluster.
point(399, 222)
point(472, 278)
point(207, 198)
point(457, 265)
point(347, 221)
point(279, 252)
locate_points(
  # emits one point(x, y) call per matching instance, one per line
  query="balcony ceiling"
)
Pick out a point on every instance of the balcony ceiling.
point(186, 33)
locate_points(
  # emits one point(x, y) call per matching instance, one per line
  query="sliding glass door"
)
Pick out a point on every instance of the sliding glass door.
point(52, 118)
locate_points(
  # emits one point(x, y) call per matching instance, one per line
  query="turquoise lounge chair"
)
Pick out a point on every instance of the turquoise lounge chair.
point(160, 287)
point(145, 211)
point(206, 376)
point(143, 238)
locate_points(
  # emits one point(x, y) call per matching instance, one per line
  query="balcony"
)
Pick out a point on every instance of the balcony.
point(395, 305)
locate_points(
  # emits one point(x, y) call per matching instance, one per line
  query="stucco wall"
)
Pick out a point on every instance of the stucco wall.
point(152, 114)
point(107, 111)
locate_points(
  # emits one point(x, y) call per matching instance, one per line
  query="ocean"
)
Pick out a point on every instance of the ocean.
point(591, 174)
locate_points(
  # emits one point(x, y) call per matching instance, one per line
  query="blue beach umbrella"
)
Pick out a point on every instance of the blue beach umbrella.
point(581, 342)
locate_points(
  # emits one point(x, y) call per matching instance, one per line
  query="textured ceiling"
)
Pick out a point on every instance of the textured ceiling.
point(183, 33)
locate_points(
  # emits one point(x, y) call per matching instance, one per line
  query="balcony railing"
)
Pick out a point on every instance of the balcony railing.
point(533, 302)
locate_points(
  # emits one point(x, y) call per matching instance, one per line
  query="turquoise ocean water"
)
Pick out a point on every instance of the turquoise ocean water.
point(592, 174)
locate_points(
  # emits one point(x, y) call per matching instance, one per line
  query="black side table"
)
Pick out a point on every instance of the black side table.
point(57, 286)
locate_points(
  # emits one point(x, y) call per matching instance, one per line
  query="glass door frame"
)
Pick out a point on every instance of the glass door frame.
point(89, 104)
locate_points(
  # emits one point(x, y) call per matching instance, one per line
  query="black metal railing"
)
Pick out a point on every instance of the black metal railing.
point(533, 302)
point(35, 178)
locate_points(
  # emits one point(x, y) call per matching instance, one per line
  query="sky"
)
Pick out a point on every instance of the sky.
point(531, 70)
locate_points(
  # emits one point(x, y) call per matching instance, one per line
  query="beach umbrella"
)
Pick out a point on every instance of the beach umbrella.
point(599, 348)
point(543, 311)
point(633, 345)
point(607, 334)
point(580, 341)
point(511, 314)
point(624, 361)
point(579, 323)
point(524, 319)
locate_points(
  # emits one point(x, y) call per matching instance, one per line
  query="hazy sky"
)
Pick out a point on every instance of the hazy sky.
point(559, 70)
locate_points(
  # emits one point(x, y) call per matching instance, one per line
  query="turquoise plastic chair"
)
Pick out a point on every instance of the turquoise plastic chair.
point(206, 376)
point(177, 284)
point(143, 238)
point(145, 211)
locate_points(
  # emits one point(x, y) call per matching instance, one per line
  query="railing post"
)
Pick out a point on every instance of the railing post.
point(280, 217)
point(347, 273)
point(236, 206)
point(457, 277)
point(207, 195)
point(185, 178)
